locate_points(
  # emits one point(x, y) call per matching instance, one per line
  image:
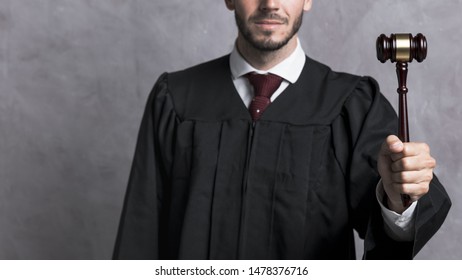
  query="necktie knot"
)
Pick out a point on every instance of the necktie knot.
point(264, 85)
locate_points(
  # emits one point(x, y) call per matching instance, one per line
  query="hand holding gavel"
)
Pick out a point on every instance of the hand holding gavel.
point(408, 168)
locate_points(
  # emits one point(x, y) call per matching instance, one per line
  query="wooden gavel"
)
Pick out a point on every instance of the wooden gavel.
point(402, 48)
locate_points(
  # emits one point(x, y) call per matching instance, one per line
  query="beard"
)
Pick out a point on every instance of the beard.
point(267, 44)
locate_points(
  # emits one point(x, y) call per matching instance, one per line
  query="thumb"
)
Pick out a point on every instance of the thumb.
point(391, 145)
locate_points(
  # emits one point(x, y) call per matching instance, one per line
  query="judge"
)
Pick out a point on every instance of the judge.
point(268, 154)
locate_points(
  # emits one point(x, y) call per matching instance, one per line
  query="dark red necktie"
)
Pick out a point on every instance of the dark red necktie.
point(263, 86)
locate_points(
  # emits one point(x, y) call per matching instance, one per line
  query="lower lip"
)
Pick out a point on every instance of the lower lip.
point(268, 25)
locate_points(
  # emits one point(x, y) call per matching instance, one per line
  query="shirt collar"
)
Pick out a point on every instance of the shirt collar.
point(289, 69)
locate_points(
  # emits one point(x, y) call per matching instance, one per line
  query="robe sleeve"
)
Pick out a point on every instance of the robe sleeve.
point(369, 119)
point(141, 225)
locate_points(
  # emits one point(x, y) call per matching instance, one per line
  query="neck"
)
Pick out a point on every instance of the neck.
point(264, 60)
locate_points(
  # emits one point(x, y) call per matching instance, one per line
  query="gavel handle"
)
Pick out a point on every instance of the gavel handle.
point(403, 132)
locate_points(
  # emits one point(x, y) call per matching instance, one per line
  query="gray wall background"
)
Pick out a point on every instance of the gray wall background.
point(74, 77)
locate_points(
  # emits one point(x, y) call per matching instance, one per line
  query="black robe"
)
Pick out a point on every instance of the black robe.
point(208, 183)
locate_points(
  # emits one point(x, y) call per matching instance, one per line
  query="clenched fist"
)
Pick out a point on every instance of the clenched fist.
point(405, 168)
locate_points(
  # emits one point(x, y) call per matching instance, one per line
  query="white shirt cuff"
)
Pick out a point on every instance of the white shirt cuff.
point(400, 227)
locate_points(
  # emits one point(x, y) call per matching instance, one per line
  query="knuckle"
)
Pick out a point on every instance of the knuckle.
point(422, 190)
point(403, 177)
point(407, 189)
point(431, 163)
point(416, 191)
point(406, 148)
point(426, 147)
point(425, 189)
point(428, 177)
point(406, 164)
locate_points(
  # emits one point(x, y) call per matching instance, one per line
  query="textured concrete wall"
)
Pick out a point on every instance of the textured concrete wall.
point(74, 77)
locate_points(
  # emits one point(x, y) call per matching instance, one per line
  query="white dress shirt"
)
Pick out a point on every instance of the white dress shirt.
point(399, 227)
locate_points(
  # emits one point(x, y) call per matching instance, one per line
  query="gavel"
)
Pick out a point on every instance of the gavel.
point(402, 48)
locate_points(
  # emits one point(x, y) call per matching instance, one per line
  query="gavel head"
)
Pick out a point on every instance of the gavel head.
point(401, 47)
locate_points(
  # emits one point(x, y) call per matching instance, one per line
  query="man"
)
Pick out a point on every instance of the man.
point(224, 170)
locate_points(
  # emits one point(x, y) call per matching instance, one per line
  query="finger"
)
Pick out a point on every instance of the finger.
point(412, 177)
point(411, 149)
point(391, 145)
point(415, 191)
point(414, 163)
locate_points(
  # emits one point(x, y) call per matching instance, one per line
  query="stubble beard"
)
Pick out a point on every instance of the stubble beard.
point(267, 44)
